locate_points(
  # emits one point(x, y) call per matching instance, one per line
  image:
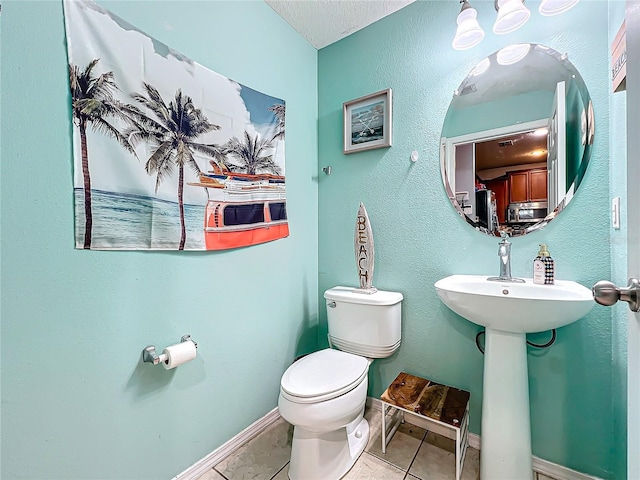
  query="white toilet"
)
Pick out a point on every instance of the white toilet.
point(323, 394)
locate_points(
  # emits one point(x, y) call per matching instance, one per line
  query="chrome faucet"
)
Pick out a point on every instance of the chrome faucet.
point(504, 254)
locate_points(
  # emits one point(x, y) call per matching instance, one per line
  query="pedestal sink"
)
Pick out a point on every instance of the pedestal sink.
point(509, 311)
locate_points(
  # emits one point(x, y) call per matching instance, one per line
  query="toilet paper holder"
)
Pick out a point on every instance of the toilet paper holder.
point(149, 354)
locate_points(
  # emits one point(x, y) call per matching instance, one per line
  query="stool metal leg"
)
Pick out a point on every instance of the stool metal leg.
point(397, 417)
point(458, 455)
point(384, 428)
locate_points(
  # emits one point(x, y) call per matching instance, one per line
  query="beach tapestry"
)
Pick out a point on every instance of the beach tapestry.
point(168, 155)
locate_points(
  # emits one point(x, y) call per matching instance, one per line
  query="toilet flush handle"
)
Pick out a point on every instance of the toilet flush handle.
point(331, 304)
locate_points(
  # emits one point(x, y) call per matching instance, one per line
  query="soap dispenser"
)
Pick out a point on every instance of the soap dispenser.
point(543, 267)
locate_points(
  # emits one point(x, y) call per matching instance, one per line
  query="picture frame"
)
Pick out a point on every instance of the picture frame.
point(368, 122)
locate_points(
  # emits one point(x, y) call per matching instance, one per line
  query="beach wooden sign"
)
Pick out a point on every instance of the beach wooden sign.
point(364, 250)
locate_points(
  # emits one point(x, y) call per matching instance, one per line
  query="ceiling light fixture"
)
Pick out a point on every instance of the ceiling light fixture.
point(538, 153)
point(512, 14)
point(468, 33)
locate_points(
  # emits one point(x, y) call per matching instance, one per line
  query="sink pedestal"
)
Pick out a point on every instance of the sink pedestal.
point(509, 311)
point(505, 452)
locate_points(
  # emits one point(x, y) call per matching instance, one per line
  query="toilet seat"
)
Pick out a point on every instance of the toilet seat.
point(323, 375)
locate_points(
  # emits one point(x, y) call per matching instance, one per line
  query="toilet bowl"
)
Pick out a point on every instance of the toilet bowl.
point(323, 395)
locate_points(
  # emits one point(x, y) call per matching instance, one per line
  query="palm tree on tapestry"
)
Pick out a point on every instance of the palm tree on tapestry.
point(171, 131)
point(92, 102)
point(251, 155)
point(278, 110)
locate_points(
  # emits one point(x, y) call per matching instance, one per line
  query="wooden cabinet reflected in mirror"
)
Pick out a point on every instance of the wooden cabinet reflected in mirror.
point(528, 186)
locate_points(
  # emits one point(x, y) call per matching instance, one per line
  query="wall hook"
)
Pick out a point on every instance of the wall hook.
point(327, 170)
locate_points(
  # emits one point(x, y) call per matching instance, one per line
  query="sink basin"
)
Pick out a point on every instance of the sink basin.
point(515, 307)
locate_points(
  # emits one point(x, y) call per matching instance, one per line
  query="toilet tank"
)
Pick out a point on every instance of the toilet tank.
point(362, 324)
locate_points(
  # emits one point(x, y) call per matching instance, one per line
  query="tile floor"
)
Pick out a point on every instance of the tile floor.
point(412, 454)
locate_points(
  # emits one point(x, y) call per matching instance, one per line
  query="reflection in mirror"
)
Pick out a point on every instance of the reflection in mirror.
point(516, 140)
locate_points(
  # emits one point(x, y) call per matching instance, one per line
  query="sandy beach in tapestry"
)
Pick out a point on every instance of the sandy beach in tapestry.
point(168, 154)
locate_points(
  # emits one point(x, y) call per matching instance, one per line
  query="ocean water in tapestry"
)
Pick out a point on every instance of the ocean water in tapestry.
point(168, 155)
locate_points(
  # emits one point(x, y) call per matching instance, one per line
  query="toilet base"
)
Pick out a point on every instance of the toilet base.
point(327, 456)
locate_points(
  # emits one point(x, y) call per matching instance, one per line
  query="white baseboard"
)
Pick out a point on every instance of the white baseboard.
point(554, 470)
point(544, 467)
point(474, 441)
point(204, 464)
point(199, 468)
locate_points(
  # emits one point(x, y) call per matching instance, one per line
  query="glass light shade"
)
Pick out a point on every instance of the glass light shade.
point(482, 67)
point(513, 53)
point(512, 14)
point(468, 33)
point(555, 7)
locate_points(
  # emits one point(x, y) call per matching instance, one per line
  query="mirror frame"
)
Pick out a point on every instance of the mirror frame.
point(582, 128)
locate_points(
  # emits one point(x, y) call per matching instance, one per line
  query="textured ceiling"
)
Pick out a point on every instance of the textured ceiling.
point(323, 22)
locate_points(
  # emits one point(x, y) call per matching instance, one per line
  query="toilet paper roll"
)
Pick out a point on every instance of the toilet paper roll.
point(179, 353)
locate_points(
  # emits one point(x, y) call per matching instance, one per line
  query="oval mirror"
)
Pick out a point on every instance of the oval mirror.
point(516, 140)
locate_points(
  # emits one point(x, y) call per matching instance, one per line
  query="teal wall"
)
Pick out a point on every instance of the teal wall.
point(419, 237)
point(503, 112)
point(618, 183)
point(76, 400)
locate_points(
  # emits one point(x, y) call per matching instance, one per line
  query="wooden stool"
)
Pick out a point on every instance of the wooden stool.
point(437, 404)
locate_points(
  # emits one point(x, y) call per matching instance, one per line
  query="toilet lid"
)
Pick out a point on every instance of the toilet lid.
point(324, 372)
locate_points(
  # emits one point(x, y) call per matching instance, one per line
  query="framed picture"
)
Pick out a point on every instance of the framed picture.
point(368, 122)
